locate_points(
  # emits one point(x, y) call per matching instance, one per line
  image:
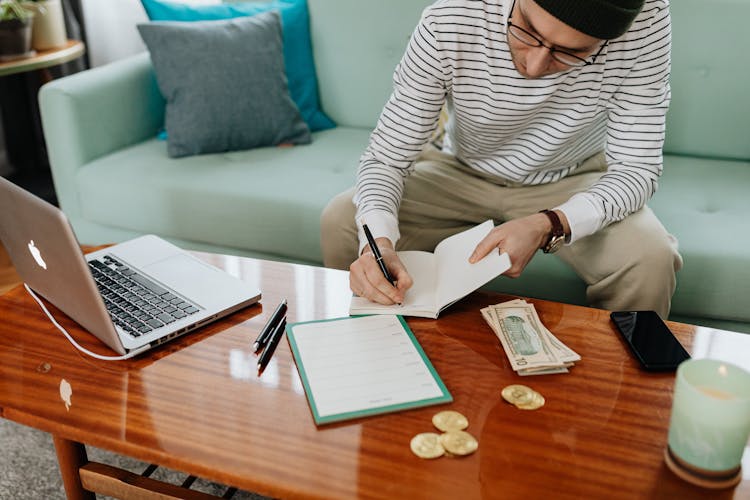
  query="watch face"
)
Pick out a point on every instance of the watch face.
point(555, 243)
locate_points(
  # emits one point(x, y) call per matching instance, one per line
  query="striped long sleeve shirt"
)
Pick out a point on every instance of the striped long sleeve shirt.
point(523, 131)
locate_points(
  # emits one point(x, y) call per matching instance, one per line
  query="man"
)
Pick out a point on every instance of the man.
point(556, 125)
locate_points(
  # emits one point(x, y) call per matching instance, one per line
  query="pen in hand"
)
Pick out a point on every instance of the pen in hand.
point(268, 351)
point(376, 254)
point(269, 327)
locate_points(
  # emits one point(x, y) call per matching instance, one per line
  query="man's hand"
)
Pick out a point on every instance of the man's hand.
point(519, 238)
point(367, 280)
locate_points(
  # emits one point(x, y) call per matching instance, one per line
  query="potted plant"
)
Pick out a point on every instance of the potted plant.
point(15, 30)
point(49, 24)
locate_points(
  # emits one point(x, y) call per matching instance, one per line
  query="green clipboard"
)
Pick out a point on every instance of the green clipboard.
point(357, 339)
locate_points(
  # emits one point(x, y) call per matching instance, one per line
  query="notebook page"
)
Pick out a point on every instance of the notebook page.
point(456, 276)
point(361, 364)
point(419, 300)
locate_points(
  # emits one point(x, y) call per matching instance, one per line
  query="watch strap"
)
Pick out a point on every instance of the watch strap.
point(557, 233)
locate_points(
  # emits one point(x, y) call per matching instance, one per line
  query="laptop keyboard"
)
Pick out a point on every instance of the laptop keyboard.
point(135, 303)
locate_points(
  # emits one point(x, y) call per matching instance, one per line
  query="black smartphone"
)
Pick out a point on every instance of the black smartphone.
point(651, 341)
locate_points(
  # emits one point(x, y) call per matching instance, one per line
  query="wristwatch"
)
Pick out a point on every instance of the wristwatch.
point(556, 236)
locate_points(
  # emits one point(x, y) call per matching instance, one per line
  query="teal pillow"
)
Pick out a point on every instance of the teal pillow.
point(224, 84)
point(295, 25)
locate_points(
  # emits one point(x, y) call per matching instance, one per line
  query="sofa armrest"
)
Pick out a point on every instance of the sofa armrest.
point(96, 112)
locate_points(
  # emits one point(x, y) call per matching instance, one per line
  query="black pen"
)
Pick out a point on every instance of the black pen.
point(376, 254)
point(268, 351)
point(268, 329)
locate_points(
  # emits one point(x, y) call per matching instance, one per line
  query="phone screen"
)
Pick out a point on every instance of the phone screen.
point(653, 344)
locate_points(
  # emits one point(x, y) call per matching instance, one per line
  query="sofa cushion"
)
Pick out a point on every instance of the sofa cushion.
point(227, 199)
point(704, 202)
point(224, 84)
point(298, 58)
point(356, 59)
point(710, 110)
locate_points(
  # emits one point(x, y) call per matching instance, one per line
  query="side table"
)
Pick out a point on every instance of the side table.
point(20, 80)
point(73, 49)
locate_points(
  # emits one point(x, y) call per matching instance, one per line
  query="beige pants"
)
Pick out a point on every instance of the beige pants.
point(628, 265)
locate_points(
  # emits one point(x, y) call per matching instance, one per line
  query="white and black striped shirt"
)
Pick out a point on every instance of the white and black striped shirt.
point(525, 131)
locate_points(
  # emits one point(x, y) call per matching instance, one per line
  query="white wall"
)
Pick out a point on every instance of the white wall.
point(110, 29)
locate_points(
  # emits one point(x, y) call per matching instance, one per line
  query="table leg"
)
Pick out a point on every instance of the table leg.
point(70, 457)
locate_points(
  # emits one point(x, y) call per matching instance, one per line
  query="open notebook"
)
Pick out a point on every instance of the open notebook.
point(441, 278)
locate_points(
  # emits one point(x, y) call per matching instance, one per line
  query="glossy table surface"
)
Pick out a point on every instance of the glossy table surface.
point(197, 404)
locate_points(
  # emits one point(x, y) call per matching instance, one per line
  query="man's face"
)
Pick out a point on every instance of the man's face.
point(536, 62)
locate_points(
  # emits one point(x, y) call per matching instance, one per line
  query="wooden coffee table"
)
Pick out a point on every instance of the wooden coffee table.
point(197, 405)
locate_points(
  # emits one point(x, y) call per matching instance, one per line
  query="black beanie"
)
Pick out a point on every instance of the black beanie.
point(605, 19)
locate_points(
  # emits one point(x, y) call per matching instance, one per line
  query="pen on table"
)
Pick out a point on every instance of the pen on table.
point(376, 254)
point(268, 351)
point(268, 329)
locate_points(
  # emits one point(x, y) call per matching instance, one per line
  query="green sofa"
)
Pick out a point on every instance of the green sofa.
point(114, 179)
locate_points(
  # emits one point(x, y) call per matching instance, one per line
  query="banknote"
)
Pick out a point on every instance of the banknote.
point(531, 348)
point(562, 351)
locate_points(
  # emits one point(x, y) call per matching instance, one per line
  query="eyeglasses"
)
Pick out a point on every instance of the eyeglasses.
point(558, 55)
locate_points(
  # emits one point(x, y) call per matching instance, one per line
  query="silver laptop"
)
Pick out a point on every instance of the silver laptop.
point(133, 296)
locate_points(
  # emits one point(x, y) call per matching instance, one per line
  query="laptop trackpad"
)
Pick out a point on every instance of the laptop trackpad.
point(194, 279)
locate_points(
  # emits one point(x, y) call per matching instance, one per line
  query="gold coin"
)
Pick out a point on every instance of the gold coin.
point(536, 403)
point(427, 445)
point(518, 394)
point(450, 421)
point(459, 442)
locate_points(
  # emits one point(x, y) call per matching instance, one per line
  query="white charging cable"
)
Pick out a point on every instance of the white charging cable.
point(72, 341)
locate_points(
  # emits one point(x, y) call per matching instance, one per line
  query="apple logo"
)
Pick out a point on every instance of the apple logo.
point(37, 255)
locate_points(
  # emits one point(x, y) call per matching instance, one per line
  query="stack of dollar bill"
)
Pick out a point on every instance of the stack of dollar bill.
point(530, 347)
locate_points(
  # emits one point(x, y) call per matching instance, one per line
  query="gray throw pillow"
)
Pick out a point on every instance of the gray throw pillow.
point(225, 84)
